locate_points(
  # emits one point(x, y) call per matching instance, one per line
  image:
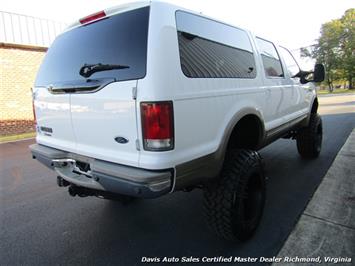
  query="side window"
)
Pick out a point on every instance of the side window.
point(291, 64)
point(210, 49)
point(271, 60)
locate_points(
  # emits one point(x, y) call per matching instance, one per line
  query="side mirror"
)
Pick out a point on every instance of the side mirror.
point(317, 75)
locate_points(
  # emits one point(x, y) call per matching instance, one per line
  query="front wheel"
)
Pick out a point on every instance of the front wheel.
point(309, 139)
point(235, 203)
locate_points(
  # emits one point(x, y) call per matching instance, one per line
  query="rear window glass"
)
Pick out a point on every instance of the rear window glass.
point(209, 49)
point(119, 39)
point(270, 57)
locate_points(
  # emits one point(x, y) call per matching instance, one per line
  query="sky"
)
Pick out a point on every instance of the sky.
point(293, 23)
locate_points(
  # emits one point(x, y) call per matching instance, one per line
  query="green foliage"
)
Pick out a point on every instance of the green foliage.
point(348, 45)
point(335, 48)
point(305, 52)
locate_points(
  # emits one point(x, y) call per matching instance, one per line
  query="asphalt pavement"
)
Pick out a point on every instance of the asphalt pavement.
point(40, 224)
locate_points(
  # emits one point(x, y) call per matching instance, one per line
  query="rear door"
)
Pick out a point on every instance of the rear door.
point(100, 114)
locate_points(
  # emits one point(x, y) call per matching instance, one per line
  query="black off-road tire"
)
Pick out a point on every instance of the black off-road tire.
point(309, 139)
point(234, 204)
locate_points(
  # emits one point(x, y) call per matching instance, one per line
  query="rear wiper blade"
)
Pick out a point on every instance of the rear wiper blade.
point(88, 69)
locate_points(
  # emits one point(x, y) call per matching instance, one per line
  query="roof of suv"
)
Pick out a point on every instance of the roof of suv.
point(134, 5)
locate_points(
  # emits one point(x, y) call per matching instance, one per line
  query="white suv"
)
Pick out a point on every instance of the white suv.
point(146, 99)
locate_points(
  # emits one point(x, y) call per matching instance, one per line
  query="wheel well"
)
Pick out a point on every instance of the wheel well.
point(247, 133)
point(314, 106)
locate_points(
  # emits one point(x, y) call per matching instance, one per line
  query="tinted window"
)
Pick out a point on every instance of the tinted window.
point(291, 64)
point(271, 60)
point(119, 39)
point(209, 49)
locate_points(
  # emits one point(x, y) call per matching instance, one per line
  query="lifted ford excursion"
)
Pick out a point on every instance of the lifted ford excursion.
point(146, 99)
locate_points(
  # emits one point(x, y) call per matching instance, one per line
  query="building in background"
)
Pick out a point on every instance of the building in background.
point(23, 43)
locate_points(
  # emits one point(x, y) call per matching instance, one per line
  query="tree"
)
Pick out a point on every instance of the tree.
point(347, 44)
point(327, 49)
point(335, 48)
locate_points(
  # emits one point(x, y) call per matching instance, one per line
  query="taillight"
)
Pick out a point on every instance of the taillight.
point(157, 125)
point(93, 17)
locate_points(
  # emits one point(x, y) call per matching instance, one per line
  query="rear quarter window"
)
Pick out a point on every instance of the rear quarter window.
point(209, 49)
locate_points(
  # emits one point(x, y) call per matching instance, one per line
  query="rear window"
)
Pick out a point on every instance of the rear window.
point(119, 39)
point(270, 57)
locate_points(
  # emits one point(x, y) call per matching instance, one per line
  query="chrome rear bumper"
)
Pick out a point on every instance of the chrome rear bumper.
point(102, 175)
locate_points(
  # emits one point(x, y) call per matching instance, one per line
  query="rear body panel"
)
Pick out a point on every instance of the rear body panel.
point(54, 126)
point(89, 123)
point(91, 114)
point(98, 118)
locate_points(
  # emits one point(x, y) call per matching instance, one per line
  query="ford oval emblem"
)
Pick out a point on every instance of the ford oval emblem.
point(121, 140)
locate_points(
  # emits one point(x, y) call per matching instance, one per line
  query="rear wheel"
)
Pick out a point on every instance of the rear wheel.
point(309, 139)
point(235, 203)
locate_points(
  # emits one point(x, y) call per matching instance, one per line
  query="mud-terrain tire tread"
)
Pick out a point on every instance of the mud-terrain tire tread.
point(306, 138)
point(224, 219)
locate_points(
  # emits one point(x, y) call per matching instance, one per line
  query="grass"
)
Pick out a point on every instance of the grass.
point(17, 137)
point(335, 91)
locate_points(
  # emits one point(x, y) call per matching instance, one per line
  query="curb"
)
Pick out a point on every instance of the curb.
point(18, 140)
point(336, 94)
point(325, 232)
